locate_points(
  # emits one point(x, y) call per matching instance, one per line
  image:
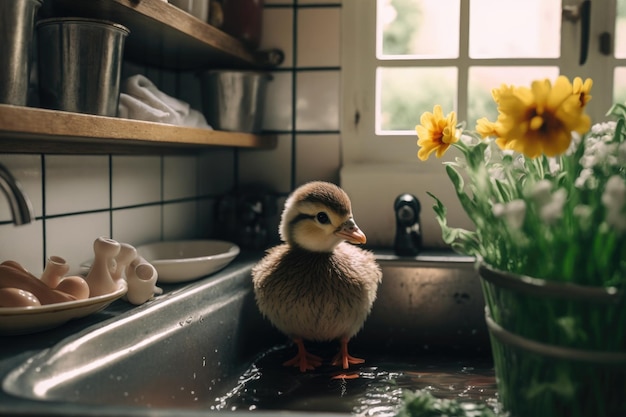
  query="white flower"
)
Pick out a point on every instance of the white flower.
point(614, 199)
point(554, 165)
point(600, 148)
point(584, 214)
point(586, 178)
point(574, 143)
point(604, 128)
point(540, 192)
point(513, 213)
point(549, 204)
point(497, 172)
point(468, 140)
point(553, 209)
point(614, 193)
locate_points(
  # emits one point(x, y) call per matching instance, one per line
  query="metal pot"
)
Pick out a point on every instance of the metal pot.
point(234, 100)
point(17, 20)
point(80, 62)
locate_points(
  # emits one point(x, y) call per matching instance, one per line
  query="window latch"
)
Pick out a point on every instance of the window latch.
point(582, 12)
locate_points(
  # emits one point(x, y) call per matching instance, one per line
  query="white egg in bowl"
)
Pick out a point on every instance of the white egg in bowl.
point(185, 260)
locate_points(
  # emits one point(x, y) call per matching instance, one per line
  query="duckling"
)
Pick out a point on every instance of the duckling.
point(317, 285)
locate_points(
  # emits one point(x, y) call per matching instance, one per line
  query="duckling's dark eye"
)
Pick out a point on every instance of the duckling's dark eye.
point(323, 218)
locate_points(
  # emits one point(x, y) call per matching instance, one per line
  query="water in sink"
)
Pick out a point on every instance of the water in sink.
point(378, 389)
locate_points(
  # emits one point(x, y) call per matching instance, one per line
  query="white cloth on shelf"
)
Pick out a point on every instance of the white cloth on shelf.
point(140, 99)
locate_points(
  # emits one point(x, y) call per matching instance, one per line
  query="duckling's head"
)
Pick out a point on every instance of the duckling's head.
point(317, 217)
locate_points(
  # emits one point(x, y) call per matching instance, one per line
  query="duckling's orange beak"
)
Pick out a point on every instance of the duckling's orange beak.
point(351, 232)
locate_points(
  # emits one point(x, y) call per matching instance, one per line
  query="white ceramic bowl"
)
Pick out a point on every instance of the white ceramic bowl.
point(22, 320)
point(184, 260)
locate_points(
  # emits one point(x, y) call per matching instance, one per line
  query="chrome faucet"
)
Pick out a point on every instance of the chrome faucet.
point(21, 208)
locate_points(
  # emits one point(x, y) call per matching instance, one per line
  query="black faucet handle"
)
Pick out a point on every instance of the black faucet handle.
point(408, 240)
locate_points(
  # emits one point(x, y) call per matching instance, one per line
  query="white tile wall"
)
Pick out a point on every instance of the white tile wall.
point(270, 169)
point(318, 2)
point(72, 237)
point(179, 221)
point(318, 37)
point(180, 177)
point(136, 180)
point(215, 174)
point(317, 100)
point(317, 158)
point(137, 225)
point(76, 183)
point(23, 244)
point(278, 112)
point(138, 199)
point(277, 23)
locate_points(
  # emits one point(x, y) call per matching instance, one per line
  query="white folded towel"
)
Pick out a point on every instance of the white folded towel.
point(140, 99)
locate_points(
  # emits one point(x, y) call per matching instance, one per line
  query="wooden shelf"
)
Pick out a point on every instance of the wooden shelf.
point(163, 35)
point(34, 130)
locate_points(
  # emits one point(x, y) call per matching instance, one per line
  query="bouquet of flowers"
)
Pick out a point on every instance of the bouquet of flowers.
point(546, 191)
point(544, 188)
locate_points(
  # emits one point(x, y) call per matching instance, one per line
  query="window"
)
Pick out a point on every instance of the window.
point(404, 56)
point(401, 57)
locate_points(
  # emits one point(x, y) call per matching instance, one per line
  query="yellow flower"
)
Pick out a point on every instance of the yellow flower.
point(582, 89)
point(435, 133)
point(486, 128)
point(540, 120)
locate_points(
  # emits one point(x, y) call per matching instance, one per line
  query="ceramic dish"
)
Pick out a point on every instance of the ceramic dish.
point(22, 320)
point(184, 260)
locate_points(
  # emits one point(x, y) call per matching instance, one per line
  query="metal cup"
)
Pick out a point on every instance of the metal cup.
point(17, 20)
point(80, 63)
point(234, 100)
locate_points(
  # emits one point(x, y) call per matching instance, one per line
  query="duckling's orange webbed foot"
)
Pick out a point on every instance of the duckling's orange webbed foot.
point(304, 360)
point(352, 375)
point(343, 358)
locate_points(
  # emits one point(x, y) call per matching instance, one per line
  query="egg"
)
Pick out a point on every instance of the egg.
point(15, 297)
point(15, 265)
point(75, 286)
point(11, 277)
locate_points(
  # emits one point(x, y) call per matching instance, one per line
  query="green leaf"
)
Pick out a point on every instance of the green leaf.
point(571, 329)
point(459, 186)
point(617, 110)
point(562, 386)
point(422, 403)
point(461, 240)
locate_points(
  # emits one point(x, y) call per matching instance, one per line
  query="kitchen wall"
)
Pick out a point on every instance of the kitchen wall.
point(141, 198)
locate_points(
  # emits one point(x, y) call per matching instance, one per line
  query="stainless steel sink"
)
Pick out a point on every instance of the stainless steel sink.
point(204, 347)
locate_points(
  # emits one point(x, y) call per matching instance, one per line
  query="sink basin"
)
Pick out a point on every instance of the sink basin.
point(204, 346)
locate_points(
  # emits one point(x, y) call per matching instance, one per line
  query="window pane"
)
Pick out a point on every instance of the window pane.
point(417, 28)
point(620, 29)
point(515, 28)
point(403, 94)
point(619, 85)
point(484, 79)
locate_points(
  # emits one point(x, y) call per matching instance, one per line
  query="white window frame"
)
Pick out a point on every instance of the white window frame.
point(377, 168)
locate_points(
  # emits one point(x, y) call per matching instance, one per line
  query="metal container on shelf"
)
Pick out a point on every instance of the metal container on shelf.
point(80, 63)
point(196, 8)
point(17, 21)
point(234, 100)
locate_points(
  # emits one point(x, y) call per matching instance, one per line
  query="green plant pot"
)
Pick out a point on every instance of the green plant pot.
point(559, 349)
